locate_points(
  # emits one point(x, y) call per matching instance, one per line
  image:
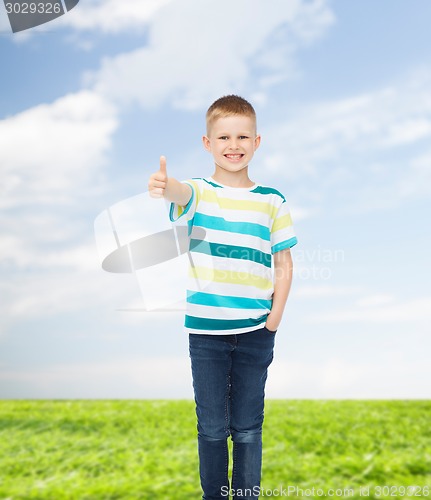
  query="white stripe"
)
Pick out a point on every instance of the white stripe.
point(243, 240)
point(282, 235)
point(226, 332)
point(239, 215)
point(213, 312)
point(230, 289)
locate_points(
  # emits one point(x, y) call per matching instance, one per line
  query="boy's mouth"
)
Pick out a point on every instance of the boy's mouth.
point(235, 157)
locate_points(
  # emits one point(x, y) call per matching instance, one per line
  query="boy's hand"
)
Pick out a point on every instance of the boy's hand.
point(158, 180)
point(272, 322)
point(160, 186)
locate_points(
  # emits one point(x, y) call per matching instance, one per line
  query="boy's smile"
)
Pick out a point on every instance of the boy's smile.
point(234, 158)
point(232, 140)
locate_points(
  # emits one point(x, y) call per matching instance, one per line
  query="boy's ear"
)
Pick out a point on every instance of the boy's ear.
point(257, 142)
point(207, 143)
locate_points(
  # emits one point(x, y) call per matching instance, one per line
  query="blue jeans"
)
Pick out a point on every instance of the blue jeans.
point(229, 374)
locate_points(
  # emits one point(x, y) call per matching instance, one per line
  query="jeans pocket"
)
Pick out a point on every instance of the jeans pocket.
point(273, 332)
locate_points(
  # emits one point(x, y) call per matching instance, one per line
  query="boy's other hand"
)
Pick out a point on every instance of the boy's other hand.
point(158, 180)
point(272, 322)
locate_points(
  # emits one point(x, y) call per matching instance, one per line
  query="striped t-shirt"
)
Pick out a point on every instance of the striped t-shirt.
point(233, 234)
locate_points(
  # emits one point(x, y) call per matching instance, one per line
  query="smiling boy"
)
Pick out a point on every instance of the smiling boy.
point(239, 280)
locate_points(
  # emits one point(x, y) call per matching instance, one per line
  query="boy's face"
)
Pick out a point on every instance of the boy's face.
point(232, 140)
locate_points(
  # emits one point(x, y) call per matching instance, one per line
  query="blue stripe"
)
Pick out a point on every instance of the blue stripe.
point(222, 324)
point(250, 228)
point(212, 299)
point(284, 244)
point(231, 251)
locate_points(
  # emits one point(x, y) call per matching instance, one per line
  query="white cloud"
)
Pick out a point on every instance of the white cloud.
point(25, 251)
point(49, 151)
point(51, 160)
point(92, 16)
point(111, 16)
point(51, 155)
point(407, 131)
point(4, 22)
point(393, 377)
point(370, 148)
point(170, 377)
point(322, 291)
point(417, 181)
point(375, 300)
point(379, 309)
point(199, 50)
point(167, 377)
point(60, 290)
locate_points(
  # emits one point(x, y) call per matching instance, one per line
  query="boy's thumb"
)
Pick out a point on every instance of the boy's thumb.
point(163, 164)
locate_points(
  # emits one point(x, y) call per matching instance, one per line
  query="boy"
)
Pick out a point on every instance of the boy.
point(234, 304)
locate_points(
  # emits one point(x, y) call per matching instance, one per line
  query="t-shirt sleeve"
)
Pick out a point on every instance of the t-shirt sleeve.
point(282, 231)
point(177, 211)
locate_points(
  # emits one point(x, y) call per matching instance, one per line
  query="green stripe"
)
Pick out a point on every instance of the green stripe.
point(212, 183)
point(212, 299)
point(222, 324)
point(230, 251)
point(250, 228)
point(267, 190)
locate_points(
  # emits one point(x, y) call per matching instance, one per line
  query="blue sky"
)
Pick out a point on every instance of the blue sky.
point(91, 100)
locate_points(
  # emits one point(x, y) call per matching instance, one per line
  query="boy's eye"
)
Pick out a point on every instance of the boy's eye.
point(225, 137)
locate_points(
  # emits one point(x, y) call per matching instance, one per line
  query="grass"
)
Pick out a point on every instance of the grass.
point(97, 450)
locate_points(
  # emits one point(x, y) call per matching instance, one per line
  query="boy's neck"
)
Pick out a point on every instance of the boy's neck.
point(232, 179)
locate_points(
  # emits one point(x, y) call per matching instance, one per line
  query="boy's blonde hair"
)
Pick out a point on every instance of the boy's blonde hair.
point(229, 105)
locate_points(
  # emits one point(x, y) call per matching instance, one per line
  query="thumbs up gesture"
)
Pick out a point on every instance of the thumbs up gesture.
point(158, 180)
point(159, 186)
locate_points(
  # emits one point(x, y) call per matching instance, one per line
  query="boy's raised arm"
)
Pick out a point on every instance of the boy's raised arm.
point(162, 186)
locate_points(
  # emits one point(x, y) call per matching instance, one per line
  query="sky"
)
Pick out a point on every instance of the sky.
point(88, 103)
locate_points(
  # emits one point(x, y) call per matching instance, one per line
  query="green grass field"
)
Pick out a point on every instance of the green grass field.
point(100, 450)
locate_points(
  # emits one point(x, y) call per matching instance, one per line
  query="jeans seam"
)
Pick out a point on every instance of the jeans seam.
point(227, 398)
